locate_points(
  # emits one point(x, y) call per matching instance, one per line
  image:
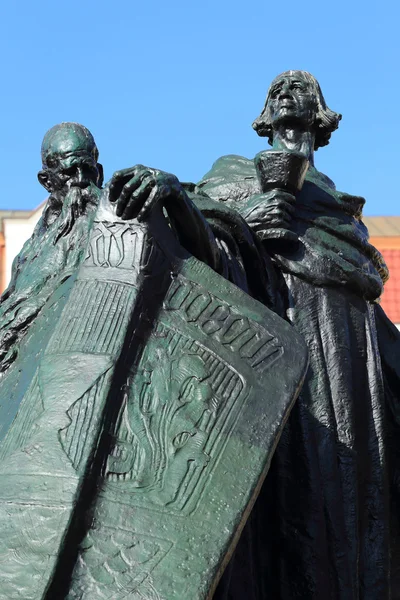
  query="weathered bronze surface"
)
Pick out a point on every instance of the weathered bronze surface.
point(154, 340)
point(325, 524)
point(140, 415)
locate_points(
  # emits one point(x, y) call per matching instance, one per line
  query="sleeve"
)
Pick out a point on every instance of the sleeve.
point(242, 258)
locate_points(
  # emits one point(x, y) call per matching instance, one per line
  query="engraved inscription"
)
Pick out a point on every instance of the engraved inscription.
point(222, 322)
point(116, 245)
point(127, 247)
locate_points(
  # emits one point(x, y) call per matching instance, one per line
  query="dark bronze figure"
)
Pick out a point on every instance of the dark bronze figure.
point(325, 523)
point(73, 177)
point(153, 343)
point(141, 399)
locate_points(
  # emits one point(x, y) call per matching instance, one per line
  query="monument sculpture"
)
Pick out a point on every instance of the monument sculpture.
point(73, 177)
point(135, 428)
point(325, 522)
point(199, 391)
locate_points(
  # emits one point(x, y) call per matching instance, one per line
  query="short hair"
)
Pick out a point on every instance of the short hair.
point(327, 121)
point(61, 134)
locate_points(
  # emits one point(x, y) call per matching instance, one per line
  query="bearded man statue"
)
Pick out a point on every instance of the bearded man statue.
point(73, 176)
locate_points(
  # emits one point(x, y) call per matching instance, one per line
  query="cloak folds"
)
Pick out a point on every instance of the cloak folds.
point(325, 523)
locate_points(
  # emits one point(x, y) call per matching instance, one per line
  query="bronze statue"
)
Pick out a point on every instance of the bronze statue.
point(154, 343)
point(73, 177)
point(134, 425)
point(323, 525)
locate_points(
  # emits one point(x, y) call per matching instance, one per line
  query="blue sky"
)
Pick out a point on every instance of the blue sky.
point(176, 84)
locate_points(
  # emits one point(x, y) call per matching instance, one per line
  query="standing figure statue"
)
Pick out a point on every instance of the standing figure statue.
point(153, 347)
point(325, 523)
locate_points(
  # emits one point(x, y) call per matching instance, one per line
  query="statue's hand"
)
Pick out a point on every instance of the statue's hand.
point(270, 214)
point(139, 189)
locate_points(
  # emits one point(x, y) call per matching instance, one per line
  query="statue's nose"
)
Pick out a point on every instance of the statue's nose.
point(285, 90)
point(80, 175)
point(80, 179)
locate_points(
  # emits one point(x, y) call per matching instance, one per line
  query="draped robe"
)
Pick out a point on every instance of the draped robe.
point(321, 527)
point(325, 523)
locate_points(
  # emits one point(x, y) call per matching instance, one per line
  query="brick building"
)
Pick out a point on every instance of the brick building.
point(17, 225)
point(385, 235)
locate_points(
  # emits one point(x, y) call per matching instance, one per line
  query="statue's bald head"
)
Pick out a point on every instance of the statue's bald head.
point(69, 155)
point(67, 138)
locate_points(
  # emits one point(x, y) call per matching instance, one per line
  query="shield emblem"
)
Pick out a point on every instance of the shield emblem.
point(136, 436)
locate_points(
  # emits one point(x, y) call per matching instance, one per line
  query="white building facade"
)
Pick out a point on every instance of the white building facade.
point(16, 226)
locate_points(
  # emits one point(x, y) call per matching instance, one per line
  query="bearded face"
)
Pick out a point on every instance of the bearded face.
point(66, 208)
point(73, 178)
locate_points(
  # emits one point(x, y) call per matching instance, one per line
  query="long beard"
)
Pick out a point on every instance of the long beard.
point(53, 252)
point(76, 203)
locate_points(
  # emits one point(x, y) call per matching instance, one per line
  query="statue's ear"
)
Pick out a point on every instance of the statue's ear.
point(45, 180)
point(100, 179)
